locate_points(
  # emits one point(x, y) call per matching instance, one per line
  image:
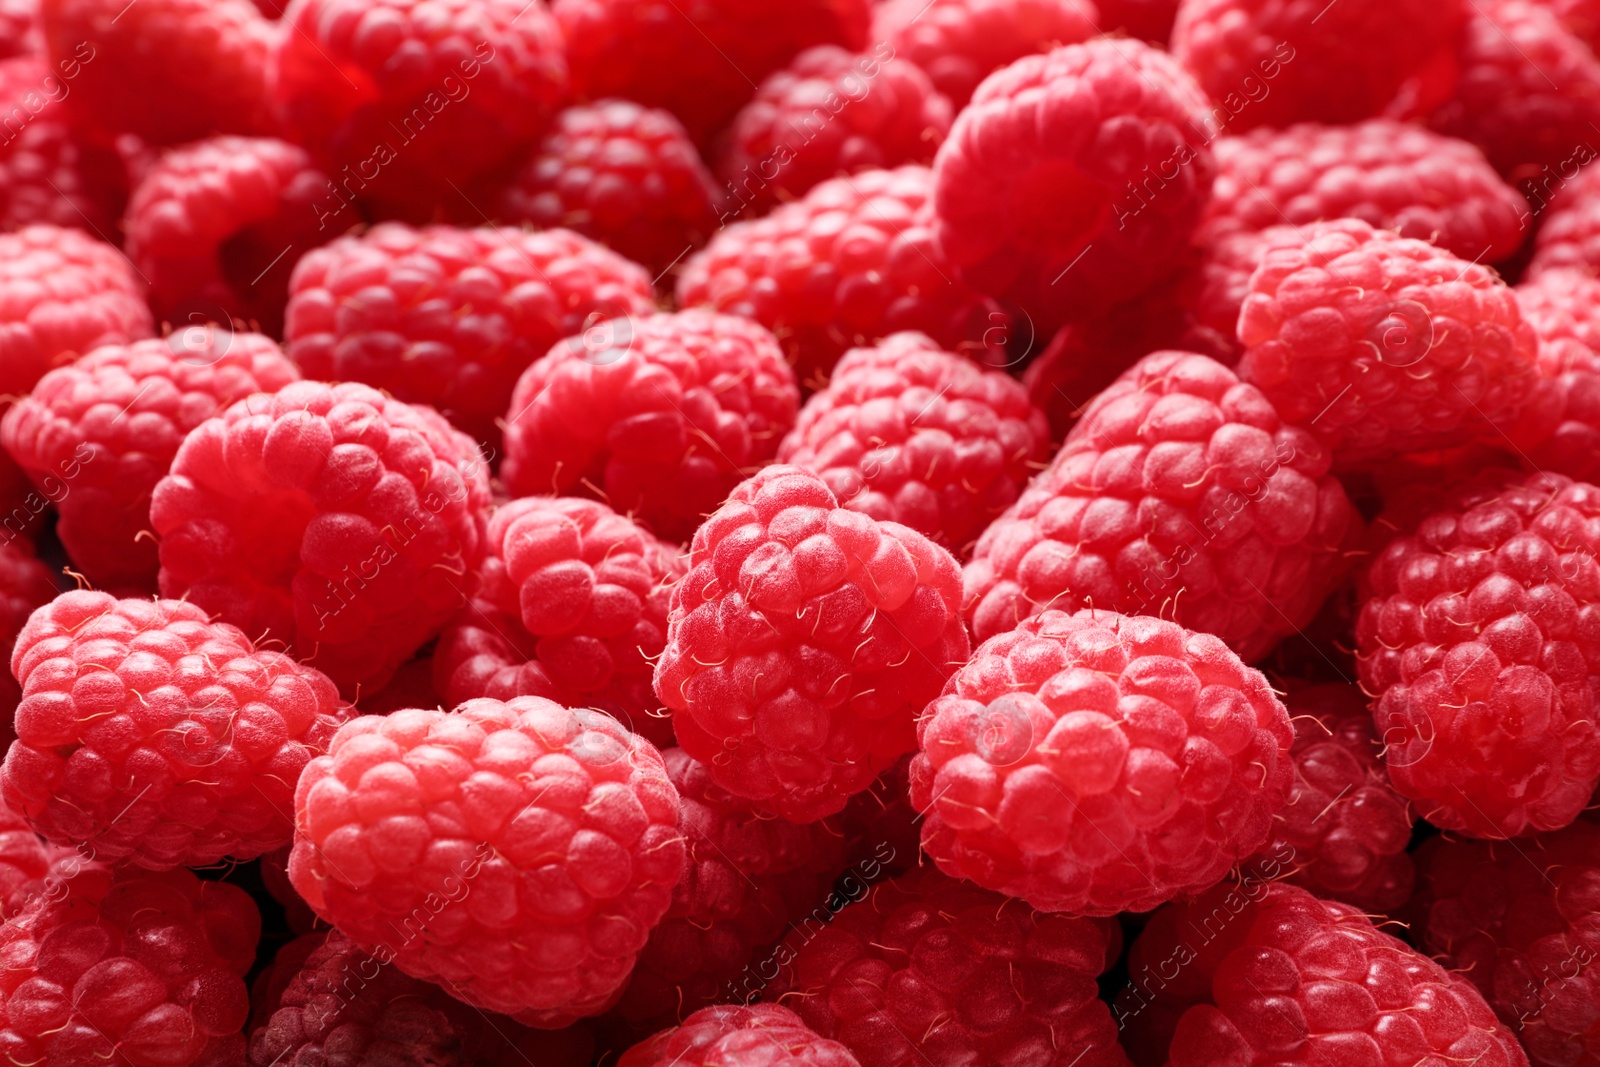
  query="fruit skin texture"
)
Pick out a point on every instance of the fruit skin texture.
point(25, 584)
point(908, 433)
point(1569, 233)
point(659, 415)
point(1521, 922)
point(1098, 763)
point(212, 731)
point(107, 426)
point(1115, 129)
point(1559, 429)
point(1479, 632)
point(727, 1035)
point(344, 523)
point(1180, 491)
point(928, 969)
point(803, 642)
point(515, 853)
point(573, 608)
point(1382, 345)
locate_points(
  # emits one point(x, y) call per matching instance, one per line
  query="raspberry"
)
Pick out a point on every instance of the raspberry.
point(559, 826)
point(1276, 62)
point(1213, 291)
point(1477, 635)
point(330, 517)
point(573, 608)
point(1559, 429)
point(26, 861)
point(831, 111)
point(627, 176)
point(851, 262)
point(1389, 174)
point(1381, 345)
point(726, 1035)
point(406, 102)
point(960, 42)
point(25, 584)
point(1179, 493)
point(927, 969)
point(1521, 922)
point(803, 642)
point(1569, 236)
point(451, 317)
point(131, 969)
point(1149, 20)
point(19, 28)
point(1112, 128)
point(46, 173)
point(97, 435)
point(907, 433)
point(641, 49)
point(660, 416)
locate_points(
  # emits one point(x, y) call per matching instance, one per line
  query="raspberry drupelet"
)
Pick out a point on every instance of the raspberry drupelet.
point(803, 643)
point(1559, 429)
point(657, 415)
point(727, 1035)
point(25, 584)
point(346, 524)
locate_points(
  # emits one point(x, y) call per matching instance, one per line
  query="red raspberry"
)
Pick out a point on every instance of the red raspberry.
point(167, 70)
point(851, 262)
point(627, 176)
point(907, 433)
point(330, 517)
point(131, 969)
point(830, 112)
point(406, 102)
point(804, 641)
point(1149, 20)
point(927, 969)
point(25, 584)
point(960, 42)
point(1276, 62)
point(99, 433)
point(1559, 429)
point(1179, 493)
point(46, 173)
point(1213, 291)
point(19, 28)
point(1382, 345)
point(1521, 922)
point(27, 862)
point(642, 49)
point(451, 317)
point(1112, 129)
point(573, 608)
point(559, 826)
point(211, 731)
point(1477, 634)
point(1569, 235)
point(726, 1035)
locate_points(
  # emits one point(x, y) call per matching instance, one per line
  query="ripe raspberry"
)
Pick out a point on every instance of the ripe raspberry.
point(451, 317)
point(1477, 633)
point(830, 112)
point(330, 517)
point(627, 176)
point(1521, 922)
point(573, 608)
point(27, 863)
point(907, 433)
point(927, 969)
point(559, 826)
point(851, 262)
point(1179, 493)
point(1148, 20)
point(47, 174)
point(1559, 429)
point(131, 969)
point(960, 42)
point(1213, 290)
point(1569, 235)
point(102, 431)
point(1381, 345)
point(167, 70)
point(727, 1035)
point(25, 584)
point(641, 49)
point(406, 102)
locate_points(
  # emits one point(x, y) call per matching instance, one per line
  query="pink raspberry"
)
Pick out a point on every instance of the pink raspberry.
point(131, 969)
point(908, 433)
point(659, 416)
point(97, 435)
point(1477, 634)
point(1074, 178)
point(210, 731)
point(804, 641)
point(558, 826)
point(726, 1035)
point(47, 172)
point(1179, 493)
point(573, 608)
point(450, 317)
point(1569, 235)
point(1381, 345)
point(1559, 429)
point(341, 522)
point(926, 969)
point(25, 584)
